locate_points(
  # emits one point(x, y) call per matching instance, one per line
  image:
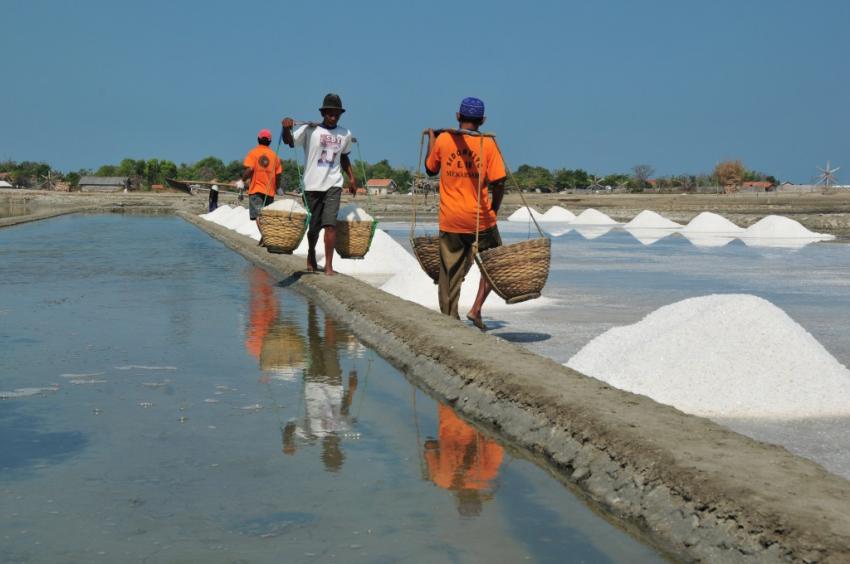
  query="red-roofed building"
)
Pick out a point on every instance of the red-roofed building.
point(759, 185)
point(381, 186)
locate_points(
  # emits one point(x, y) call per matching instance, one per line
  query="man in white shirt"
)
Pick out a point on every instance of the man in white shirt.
point(326, 147)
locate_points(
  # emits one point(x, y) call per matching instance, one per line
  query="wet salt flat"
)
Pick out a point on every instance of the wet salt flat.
point(609, 278)
point(168, 402)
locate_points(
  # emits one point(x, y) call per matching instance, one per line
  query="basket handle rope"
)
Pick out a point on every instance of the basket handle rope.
point(519, 189)
point(298, 168)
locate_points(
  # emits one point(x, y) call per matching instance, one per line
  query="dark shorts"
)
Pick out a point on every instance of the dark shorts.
point(256, 202)
point(323, 207)
point(487, 239)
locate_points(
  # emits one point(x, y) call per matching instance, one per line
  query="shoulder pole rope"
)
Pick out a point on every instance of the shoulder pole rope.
point(365, 180)
point(519, 189)
point(415, 182)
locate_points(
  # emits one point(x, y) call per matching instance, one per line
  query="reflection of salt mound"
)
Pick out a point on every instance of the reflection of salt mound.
point(591, 216)
point(721, 355)
point(708, 222)
point(707, 239)
point(591, 232)
point(557, 213)
point(524, 214)
point(649, 235)
point(558, 230)
point(777, 226)
point(648, 219)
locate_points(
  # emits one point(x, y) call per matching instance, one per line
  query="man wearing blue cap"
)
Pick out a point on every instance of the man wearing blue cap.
point(458, 156)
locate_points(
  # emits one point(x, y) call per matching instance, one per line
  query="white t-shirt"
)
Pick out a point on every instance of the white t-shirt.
point(322, 151)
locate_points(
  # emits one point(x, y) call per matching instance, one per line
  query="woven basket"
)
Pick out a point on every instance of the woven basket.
point(283, 348)
point(282, 231)
point(353, 238)
point(427, 251)
point(519, 271)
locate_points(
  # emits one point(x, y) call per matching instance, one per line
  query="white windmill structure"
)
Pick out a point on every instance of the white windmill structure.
point(827, 176)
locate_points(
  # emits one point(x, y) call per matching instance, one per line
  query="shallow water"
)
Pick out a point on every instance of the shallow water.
point(188, 408)
point(606, 278)
point(12, 210)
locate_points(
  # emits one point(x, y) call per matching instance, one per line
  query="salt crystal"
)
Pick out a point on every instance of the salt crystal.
point(353, 212)
point(286, 205)
point(708, 222)
point(648, 219)
point(782, 227)
point(557, 213)
point(525, 214)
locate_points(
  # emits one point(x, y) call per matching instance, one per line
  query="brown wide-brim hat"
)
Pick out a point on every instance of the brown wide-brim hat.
point(332, 102)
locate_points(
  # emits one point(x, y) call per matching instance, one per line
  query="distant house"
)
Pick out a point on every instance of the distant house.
point(4, 184)
point(104, 183)
point(381, 186)
point(757, 185)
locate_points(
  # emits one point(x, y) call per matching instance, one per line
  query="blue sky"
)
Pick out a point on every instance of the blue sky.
point(601, 85)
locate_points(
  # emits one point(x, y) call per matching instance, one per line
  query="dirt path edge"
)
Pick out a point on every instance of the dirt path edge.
point(686, 485)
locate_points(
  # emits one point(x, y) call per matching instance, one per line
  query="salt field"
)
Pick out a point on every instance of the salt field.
point(166, 401)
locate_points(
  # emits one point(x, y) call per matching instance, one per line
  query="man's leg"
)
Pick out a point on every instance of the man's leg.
point(315, 202)
point(330, 245)
point(488, 239)
point(453, 258)
point(331, 208)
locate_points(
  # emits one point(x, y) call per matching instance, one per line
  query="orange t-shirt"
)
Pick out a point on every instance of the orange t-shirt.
point(457, 158)
point(265, 164)
point(466, 459)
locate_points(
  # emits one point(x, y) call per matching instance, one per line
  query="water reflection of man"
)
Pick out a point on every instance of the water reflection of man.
point(262, 310)
point(464, 462)
point(327, 401)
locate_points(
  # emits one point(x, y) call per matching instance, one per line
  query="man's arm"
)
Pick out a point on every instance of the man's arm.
point(345, 162)
point(497, 192)
point(287, 124)
point(432, 138)
point(247, 173)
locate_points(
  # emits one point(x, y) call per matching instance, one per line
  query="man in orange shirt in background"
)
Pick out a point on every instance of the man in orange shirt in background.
point(458, 157)
point(262, 167)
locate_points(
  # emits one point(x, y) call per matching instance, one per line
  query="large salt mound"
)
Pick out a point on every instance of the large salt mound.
point(708, 222)
point(727, 355)
point(250, 229)
point(777, 226)
point(591, 216)
point(557, 213)
point(524, 214)
point(236, 218)
point(648, 219)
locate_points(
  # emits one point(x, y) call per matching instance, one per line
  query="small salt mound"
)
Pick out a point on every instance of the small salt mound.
point(557, 213)
point(415, 286)
point(708, 240)
point(708, 222)
point(216, 213)
point(525, 214)
point(236, 217)
point(591, 216)
point(728, 355)
point(648, 219)
point(782, 228)
point(250, 229)
point(286, 205)
point(353, 212)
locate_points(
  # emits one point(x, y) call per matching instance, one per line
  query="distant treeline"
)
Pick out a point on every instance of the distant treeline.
point(146, 173)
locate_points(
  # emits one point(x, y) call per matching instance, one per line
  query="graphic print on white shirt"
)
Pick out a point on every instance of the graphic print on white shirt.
point(322, 151)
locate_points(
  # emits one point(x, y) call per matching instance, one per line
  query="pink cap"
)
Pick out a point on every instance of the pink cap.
point(264, 134)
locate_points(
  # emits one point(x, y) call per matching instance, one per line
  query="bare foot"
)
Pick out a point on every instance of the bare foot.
point(312, 266)
point(330, 271)
point(476, 320)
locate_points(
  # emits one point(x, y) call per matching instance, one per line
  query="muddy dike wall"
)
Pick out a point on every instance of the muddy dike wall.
point(684, 484)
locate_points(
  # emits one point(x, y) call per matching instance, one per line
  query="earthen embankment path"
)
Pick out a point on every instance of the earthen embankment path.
point(685, 484)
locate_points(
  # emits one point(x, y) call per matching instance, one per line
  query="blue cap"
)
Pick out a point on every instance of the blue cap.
point(472, 107)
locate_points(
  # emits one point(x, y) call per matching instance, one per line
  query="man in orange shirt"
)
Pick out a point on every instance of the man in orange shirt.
point(458, 157)
point(262, 167)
